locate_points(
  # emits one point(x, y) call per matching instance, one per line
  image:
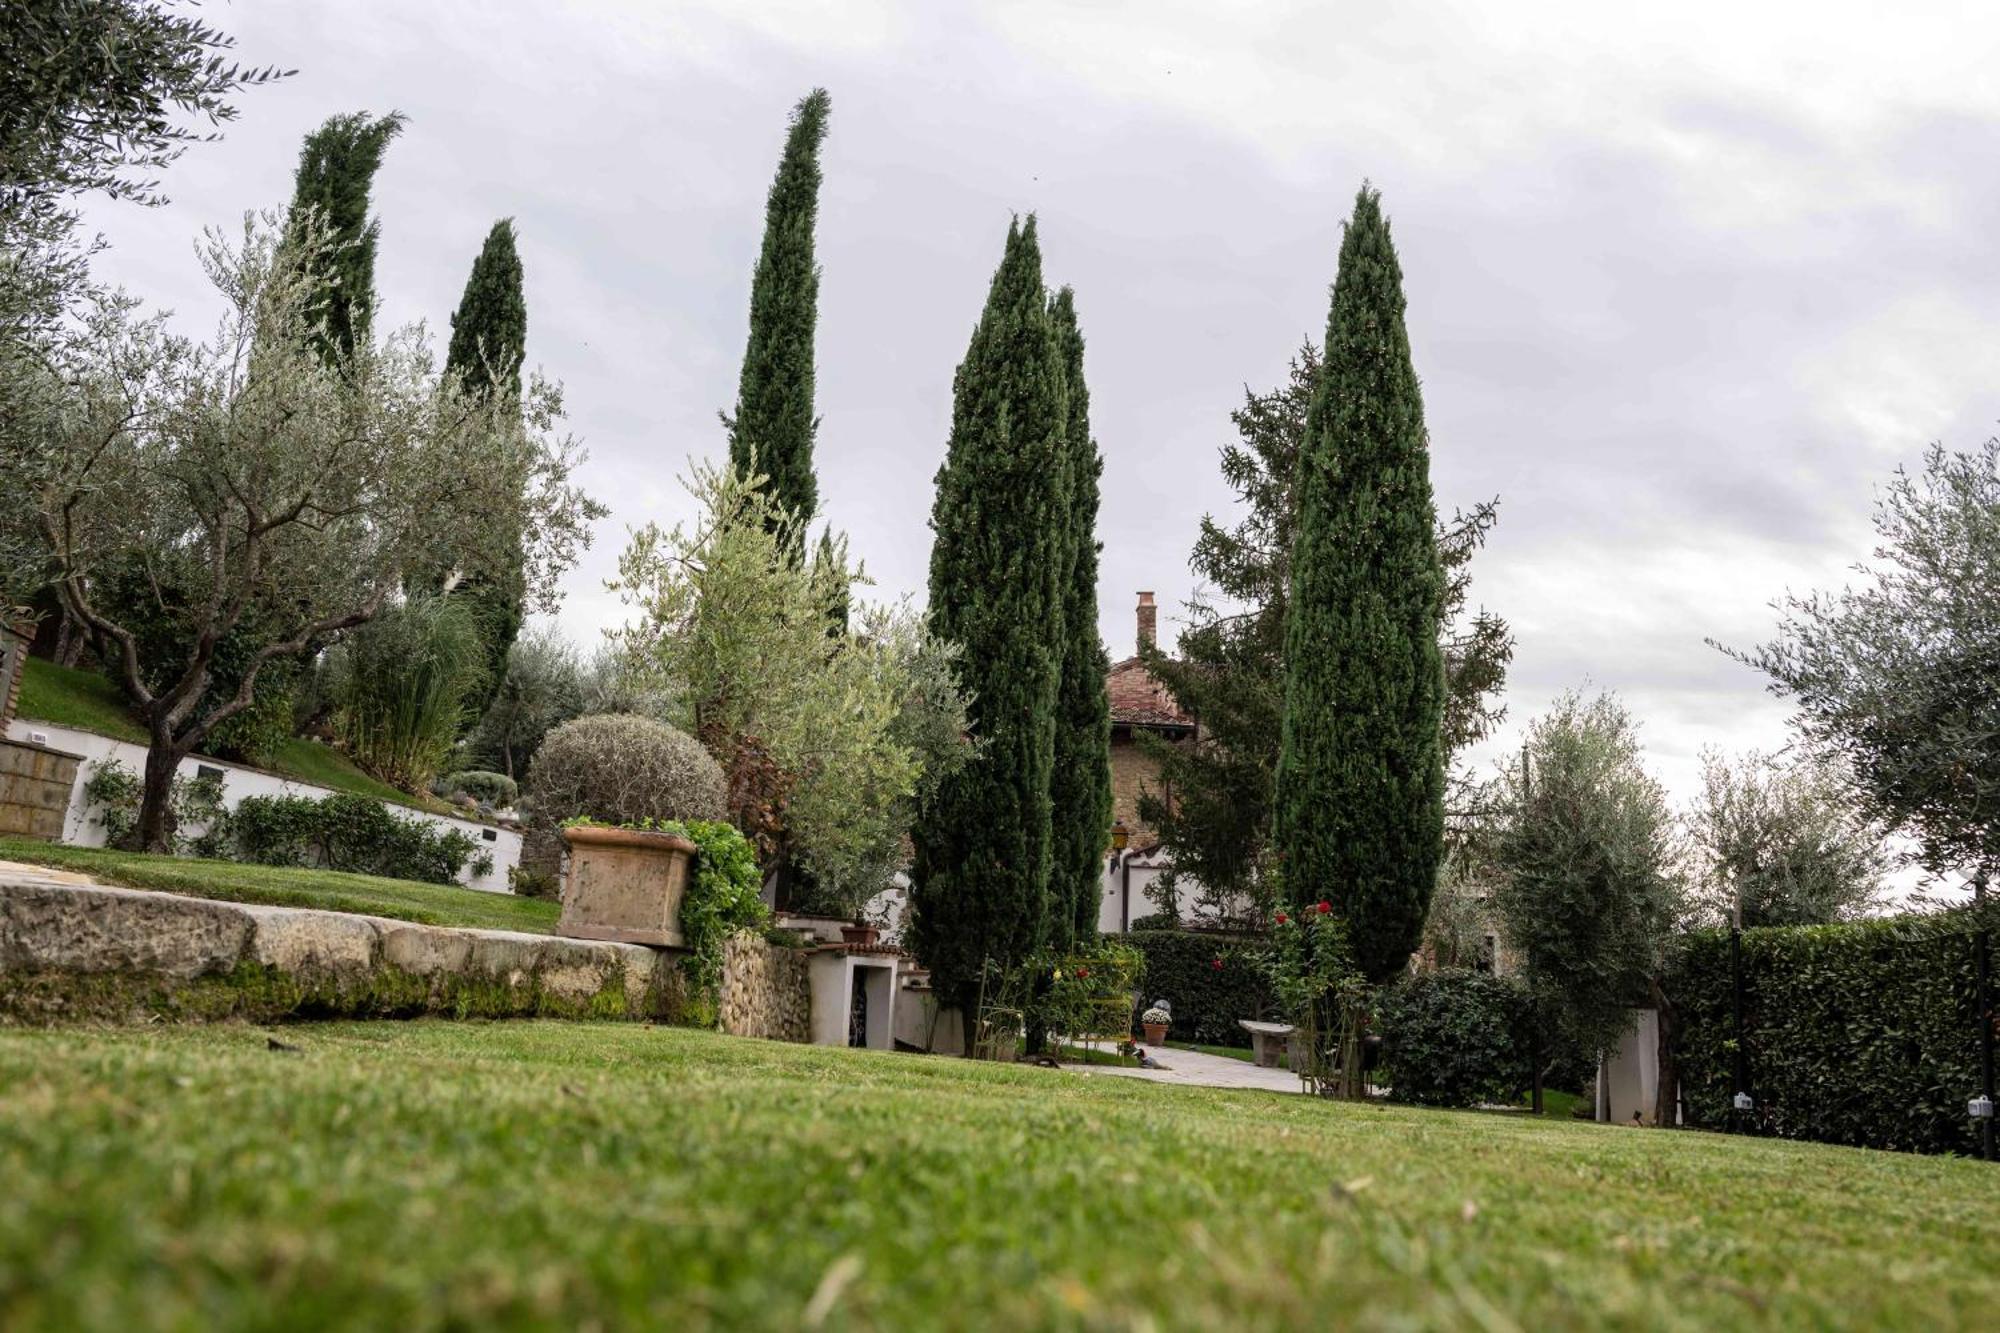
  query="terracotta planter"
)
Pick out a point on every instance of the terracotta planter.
point(624, 885)
point(859, 936)
point(1156, 1033)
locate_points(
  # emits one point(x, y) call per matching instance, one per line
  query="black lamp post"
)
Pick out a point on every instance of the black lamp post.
point(1981, 1107)
point(1121, 837)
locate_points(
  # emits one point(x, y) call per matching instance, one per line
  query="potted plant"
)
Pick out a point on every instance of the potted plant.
point(1156, 1021)
point(625, 884)
point(860, 933)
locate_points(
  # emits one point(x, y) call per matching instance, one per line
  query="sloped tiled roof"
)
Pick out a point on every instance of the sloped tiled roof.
point(1138, 700)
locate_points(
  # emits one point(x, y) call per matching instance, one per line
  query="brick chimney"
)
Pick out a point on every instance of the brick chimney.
point(1149, 615)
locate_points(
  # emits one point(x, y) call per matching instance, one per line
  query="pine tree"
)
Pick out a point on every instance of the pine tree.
point(1080, 786)
point(774, 424)
point(489, 340)
point(336, 170)
point(1001, 520)
point(1360, 782)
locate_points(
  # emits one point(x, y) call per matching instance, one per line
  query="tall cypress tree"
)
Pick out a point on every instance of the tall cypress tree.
point(1080, 786)
point(1001, 520)
point(336, 170)
point(1360, 782)
point(774, 418)
point(489, 341)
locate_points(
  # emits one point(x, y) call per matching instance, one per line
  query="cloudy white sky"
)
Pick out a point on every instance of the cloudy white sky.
point(1684, 285)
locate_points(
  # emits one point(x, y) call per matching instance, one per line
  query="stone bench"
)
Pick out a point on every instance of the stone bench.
point(1267, 1040)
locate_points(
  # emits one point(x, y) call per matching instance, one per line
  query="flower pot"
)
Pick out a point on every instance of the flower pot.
point(860, 937)
point(624, 885)
point(1156, 1033)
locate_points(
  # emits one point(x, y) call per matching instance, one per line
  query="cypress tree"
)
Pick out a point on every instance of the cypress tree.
point(1360, 783)
point(1080, 786)
point(336, 170)
point(1001, 520)
point(489, 341)
point(774, 418)
point(489, 330)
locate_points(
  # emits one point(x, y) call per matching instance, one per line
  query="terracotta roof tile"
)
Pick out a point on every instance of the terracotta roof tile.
point(1139, 700)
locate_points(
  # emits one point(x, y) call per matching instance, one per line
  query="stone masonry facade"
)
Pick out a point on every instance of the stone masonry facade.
point(766, 990)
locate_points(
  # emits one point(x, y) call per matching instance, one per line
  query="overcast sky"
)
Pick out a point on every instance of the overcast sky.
point(1684, 285)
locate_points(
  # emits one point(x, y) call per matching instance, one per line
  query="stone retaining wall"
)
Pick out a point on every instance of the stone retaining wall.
point(86, 951)
point(766, 990)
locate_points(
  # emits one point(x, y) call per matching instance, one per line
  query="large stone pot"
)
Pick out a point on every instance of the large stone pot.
point(624, 885)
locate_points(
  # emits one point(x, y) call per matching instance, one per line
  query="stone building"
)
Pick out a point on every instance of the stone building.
point(1140, 707)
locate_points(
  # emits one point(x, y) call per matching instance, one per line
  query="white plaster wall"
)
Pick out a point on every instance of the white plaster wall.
point(1113, 912)
point(1628, 1079)
point(834, 976)
point(237, 783)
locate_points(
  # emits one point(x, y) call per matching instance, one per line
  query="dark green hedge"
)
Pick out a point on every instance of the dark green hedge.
point(1211, 981)
point(1454, 1038)
point(1861, 1034)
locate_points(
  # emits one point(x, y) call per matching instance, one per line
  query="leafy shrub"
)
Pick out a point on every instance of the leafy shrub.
point(402, 684)
point(1156, 921)
point(723, 896)
point(496, 789)
point(620, 768)
point(1863, 1033)
point(532, 883)
point(1212, 980)
point(1454, 1038)
point(346, 832)
point(201, 823)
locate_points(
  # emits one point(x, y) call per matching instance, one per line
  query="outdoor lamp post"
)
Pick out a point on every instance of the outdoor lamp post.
point(1980, 1108)
point(1741, 1104)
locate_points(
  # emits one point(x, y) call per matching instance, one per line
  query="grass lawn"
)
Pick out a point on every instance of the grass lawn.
point(407, 900)
point(85, 699)
point(549, 1175)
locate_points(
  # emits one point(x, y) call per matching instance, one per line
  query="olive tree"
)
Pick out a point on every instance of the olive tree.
point(1895, 673)
point(249, 473)
point(827, 738)
point(1783, 843)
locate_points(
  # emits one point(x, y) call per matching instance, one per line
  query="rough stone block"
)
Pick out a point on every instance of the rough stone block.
point(423, 951)
point(118, 930)
point(308, 943)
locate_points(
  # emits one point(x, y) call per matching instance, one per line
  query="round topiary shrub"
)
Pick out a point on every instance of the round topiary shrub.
point(496, 789)
point(1454, 1039)
point(622, 768)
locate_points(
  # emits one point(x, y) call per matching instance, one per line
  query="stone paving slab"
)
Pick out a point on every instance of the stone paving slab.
point(1202, 1070)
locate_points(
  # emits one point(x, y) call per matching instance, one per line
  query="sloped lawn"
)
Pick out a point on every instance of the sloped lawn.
point(534, 1175)
point(285, 886)
point(86, 700)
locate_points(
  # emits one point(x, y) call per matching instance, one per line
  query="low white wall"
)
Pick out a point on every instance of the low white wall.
point(238, 782)
point(1628, 1079)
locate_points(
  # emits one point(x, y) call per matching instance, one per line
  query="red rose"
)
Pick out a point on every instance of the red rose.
point(1083, 971)
point(1282, 918)
point(1218, 964)
point(1324, 907)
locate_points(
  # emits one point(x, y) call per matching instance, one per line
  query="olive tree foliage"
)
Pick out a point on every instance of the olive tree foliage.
point(826, 739)
point(1784, 843)
point(541, 688)
point(1895, 674)
point(258, 474)
point(1586, 852)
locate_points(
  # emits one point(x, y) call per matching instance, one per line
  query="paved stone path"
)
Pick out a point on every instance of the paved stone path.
point(1201, 1070)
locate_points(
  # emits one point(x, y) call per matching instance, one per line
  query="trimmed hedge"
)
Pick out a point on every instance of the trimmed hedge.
point(1210, 980)
point(1863, 1034)
point(344, 832)
point(1454, 1038)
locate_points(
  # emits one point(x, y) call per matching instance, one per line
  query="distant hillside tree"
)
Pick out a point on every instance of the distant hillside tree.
point(1002, 522)
point(1784, 842)
point(1360, 782)
point(772, 431)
